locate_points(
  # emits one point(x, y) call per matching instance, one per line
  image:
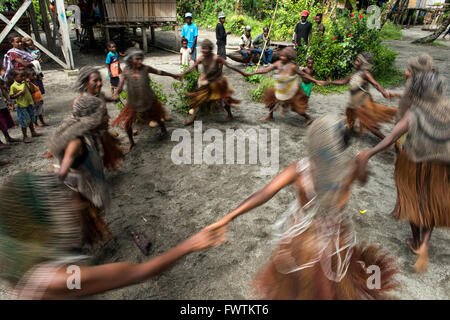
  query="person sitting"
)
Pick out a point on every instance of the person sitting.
point(258, 43)
point(245, 45)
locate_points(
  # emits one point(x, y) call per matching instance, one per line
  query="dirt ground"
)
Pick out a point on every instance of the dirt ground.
point(170, 202)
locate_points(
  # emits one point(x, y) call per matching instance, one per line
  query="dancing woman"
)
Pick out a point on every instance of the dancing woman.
point(317, 256)
point(422, 168)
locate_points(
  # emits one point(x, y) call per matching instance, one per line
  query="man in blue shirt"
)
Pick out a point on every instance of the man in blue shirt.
point(190, 33)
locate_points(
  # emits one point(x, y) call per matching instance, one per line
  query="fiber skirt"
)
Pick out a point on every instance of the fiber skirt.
point(298, 103)
point(423, 192)
point(311, 283)
point(128, 115)
point(369, 114)
point(219, 90)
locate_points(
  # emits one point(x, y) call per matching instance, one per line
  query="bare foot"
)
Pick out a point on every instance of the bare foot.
point(135, 132)
point(421, 264)
point(167, 118)
point(128, 149)
point(45, 124)
point(189, 122)
point(268, 118)
point(35, 134)
point(413, 245)
point(36, 127)
point(26, 140)
point(229, 118)
point(115, 134)
point(153, 124)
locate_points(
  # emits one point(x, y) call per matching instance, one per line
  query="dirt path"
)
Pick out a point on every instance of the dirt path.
point(170, 202)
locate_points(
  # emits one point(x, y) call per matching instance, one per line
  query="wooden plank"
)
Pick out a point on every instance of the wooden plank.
point(11, 23)
point(37, 44)
point(144, 39)
point(66, 45)
point(33, 20)
point(46, 24)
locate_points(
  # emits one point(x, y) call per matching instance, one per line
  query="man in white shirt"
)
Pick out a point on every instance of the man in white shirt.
point(246, 45)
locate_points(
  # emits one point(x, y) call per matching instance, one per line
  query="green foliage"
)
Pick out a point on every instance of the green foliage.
point(258, 92)
point(255, 78)
point(335, 52)
point(391, 31)
point(179, 101)
point(157, 88)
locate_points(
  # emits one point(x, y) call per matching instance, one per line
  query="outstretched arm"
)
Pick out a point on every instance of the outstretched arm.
point(194, 66)
point(161, 72)
point(340, 82)
point(106, 277)
point(304, 75)
point(73, 150)
point(234, 68)
point(262, 196)
point(374, 82)
point(363, 157)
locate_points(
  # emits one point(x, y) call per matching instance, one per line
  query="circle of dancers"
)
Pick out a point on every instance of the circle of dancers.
point(46, 218)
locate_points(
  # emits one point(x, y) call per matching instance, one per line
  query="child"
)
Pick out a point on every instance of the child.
point(37, 98)
point(6, 122)
point(29, 46)
point(287, 90)
point(113, 66)
point(361, 105)
point(140, 96)
point(185, 52)
point(21, 90)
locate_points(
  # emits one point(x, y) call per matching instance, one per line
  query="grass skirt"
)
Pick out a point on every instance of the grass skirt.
point(128, 115)
point(311, 283)
point(298, 103)
point(219, 90)
point(370, 115)
point(423, 192)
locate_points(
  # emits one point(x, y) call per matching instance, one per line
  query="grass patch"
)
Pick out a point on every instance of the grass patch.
point(391, 31)
point(433, 44)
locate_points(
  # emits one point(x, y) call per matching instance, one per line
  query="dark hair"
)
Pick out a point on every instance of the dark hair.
point(28, 71)
point(14, 72)
point(265, 29)
point(319, 15)
point(184, 40)
point(12, 36)
point(310, 58)
point(111, 43)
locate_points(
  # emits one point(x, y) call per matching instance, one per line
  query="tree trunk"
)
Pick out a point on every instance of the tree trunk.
point(48, 33)
point(239, 9)
point(385, 13)
point(436, 34)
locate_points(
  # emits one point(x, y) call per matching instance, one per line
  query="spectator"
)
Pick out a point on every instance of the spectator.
point(190, 33)
point(185, 53)
point(16, 57)
point(320, 28)
point(246, 46)
point(258, 43)
point(302, 32)
point(221, 37)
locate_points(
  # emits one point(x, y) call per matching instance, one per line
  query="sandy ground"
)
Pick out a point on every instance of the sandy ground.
point(170, 202)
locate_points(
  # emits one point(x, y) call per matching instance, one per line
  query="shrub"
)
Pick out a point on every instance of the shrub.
point(258, 92)
point(179, 101)
point(255, 78)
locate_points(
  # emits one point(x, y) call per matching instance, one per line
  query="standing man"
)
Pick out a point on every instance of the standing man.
point(258, 43)
point(302, 32)
point(221, 37)
point(245, 45)
point(320, 28)
point(190, 33)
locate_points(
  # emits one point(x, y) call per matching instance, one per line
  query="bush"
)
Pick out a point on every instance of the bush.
point(179, 101)
point(258, 92)
point(255, 78)
point(157, 88)
point(391, 31)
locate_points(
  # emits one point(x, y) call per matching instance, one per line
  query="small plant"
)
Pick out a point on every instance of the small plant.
point(259, 91)
point(255, 78)
point(179, 100)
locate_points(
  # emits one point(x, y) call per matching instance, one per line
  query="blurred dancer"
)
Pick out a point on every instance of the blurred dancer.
point(361, 105)
point(317, 256)
point(288, 92)
point(41, 226)
point(83, 147)
point(213, 85)
point(141, 99)
point(422, 169)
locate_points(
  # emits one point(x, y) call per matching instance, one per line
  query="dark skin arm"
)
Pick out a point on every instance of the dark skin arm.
point(194, 66)
point(377, 86)
point(121, 82)
point(23, 62)
point(73, 150)
point(304, 75)
point(223, 62)
point(161, 72)
point(262, 71)
point(98, 279)
point(340, 82)
point(364, 156)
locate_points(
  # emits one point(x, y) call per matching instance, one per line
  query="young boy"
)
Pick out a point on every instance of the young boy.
point(185, 53)
point(6, 122)
point(37, 98)
point(113, 66)
point(21, 91)
point(309, 69)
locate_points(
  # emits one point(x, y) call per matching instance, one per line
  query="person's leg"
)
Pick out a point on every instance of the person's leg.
point(270, 115)
point(21, 117)
point(227, 108)
point(414, 242)
point(269, 55)
point(194, 115)
point(129, 130)
point(8, 138)
point(162, 126)
point(421, 264)
point(30, 110)
point(244, 54)
point(194, 53)
point(307, 118)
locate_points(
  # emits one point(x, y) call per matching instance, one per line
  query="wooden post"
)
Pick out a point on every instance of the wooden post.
point(48, 32)
point(107, 35)
point(11, 23)
point(152, 31)
point(66, 46)
point(144, 39)
point(416, 16)
point(177, 37)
